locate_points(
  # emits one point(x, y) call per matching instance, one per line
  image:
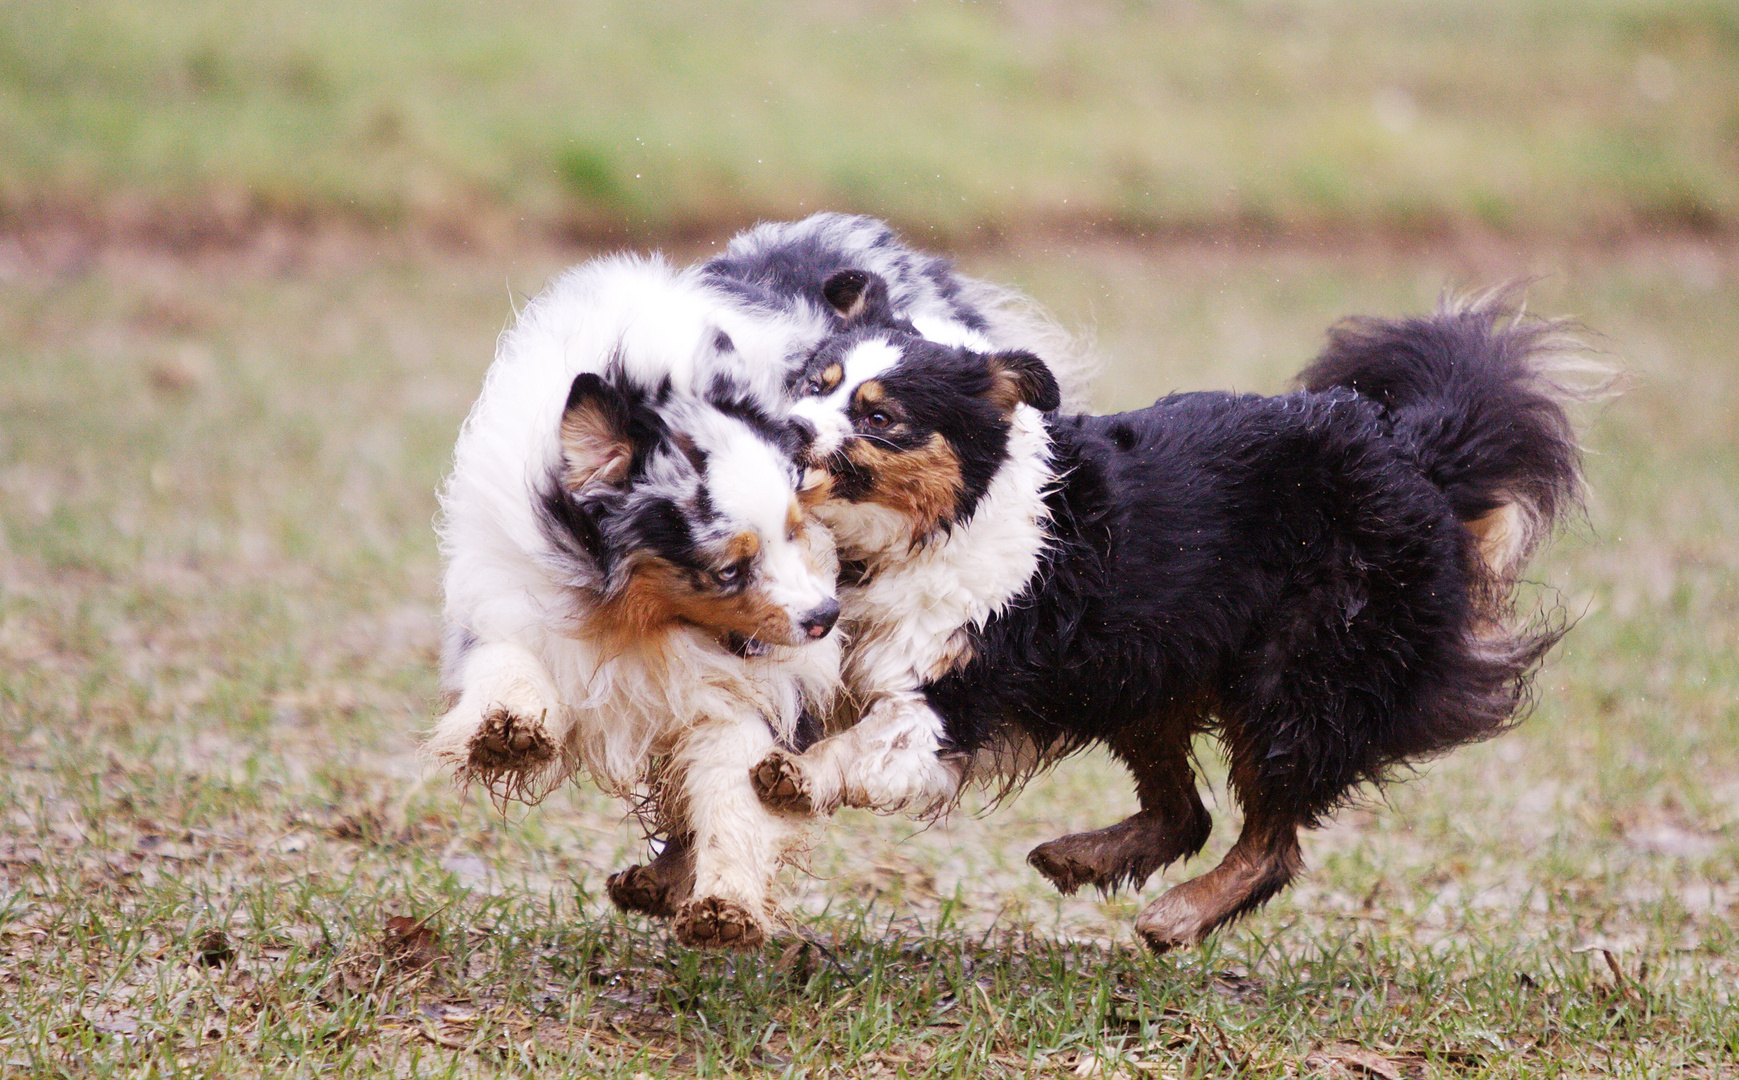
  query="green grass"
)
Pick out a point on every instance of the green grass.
point(218, 620)
point(974, 120)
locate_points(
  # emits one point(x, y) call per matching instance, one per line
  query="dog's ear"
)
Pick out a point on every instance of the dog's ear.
point(858, 296)
point(597, 434)
point(1018, 376)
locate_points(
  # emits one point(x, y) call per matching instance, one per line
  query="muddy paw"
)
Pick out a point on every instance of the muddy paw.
point(714, 923)
point(1064, 871)
point(1176, 925)
point(639, 889)
point(507, 742)
point(1162, 943)
point(781, 785)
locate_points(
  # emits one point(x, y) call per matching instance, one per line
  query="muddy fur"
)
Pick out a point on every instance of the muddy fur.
point(1322, 580)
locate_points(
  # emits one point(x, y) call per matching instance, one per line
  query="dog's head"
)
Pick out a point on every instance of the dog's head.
point(904, 425)
point(673, 509)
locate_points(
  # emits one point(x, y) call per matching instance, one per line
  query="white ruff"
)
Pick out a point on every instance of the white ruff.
point(903, 623)
point(908, 627)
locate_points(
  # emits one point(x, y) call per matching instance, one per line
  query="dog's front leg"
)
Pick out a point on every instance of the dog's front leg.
point(507, 727)
point(738, 842)
point(892, 759)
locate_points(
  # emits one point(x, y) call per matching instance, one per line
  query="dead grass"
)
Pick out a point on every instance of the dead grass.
point(217, 629)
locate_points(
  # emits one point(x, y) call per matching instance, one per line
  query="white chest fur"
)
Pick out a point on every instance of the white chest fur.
point(906, 622)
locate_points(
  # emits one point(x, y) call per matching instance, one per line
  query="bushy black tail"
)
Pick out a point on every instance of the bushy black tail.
point(1478, 391)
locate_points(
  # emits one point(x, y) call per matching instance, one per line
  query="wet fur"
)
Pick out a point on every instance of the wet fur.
point(623, 517)
point(1321, 580)
point(587, 628)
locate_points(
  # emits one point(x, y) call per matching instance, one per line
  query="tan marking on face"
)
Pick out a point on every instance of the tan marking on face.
point(593, 452)
point(659, 596)
point(923, 484)
point(830, 376)
point(870, 394)
point(744, 545)
point(793, 518)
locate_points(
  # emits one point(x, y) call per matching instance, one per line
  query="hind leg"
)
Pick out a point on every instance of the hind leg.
point(660, 887)
point(1264, 860)
point(1171, 825)
point(1260, 864)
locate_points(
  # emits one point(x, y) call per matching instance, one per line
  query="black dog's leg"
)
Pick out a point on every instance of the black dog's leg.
point(1266, 857)
point(1171, 825)
point(1260, 864)
point(659, 887)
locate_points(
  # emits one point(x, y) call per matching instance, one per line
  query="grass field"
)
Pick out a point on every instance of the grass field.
point(187, 120)
point(217, 629)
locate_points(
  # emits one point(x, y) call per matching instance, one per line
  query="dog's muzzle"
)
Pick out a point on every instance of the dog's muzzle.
point(818, 622)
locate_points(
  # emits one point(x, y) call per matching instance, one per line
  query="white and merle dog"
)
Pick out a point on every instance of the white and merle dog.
point(634, 586)
point(1323, 580)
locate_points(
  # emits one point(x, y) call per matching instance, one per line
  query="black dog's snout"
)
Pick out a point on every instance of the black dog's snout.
point(818, 622)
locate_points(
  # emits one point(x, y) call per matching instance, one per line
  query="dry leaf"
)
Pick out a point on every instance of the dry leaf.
point(213, 949)
point(797, 962)
point(1351, 1059)
point(409, 944)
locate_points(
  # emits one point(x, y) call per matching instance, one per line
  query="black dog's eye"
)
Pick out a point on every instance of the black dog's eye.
point(878, 419)
point(815, 388)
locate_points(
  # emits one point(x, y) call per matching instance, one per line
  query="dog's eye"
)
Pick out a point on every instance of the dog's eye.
point(729, 575)
point(815, 388)
point(878, 419)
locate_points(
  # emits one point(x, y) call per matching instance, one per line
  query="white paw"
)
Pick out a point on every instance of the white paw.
point(502, 731)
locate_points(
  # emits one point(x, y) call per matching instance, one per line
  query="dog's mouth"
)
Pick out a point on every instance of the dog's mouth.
point(846, 478)
point(748, 648)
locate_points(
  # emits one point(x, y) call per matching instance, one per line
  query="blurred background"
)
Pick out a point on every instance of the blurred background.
point(968, 122)
point(254, 256)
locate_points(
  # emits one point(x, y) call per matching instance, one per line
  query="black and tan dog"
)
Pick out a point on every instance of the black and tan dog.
point(1322, 580)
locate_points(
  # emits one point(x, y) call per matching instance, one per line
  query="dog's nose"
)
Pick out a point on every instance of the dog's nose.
point(818, 622)
point(803, 432)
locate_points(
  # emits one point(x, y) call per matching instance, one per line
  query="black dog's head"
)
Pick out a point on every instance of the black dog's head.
point(904, 423)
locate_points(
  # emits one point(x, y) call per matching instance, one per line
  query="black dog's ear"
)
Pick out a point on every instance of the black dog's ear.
point(857, 296)
point(1018, 376)
point(597, 434)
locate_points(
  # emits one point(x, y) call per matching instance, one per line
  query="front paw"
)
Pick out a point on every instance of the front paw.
point(712, 922)
point(508, 742)
point(510, 754)
point(781, 784)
